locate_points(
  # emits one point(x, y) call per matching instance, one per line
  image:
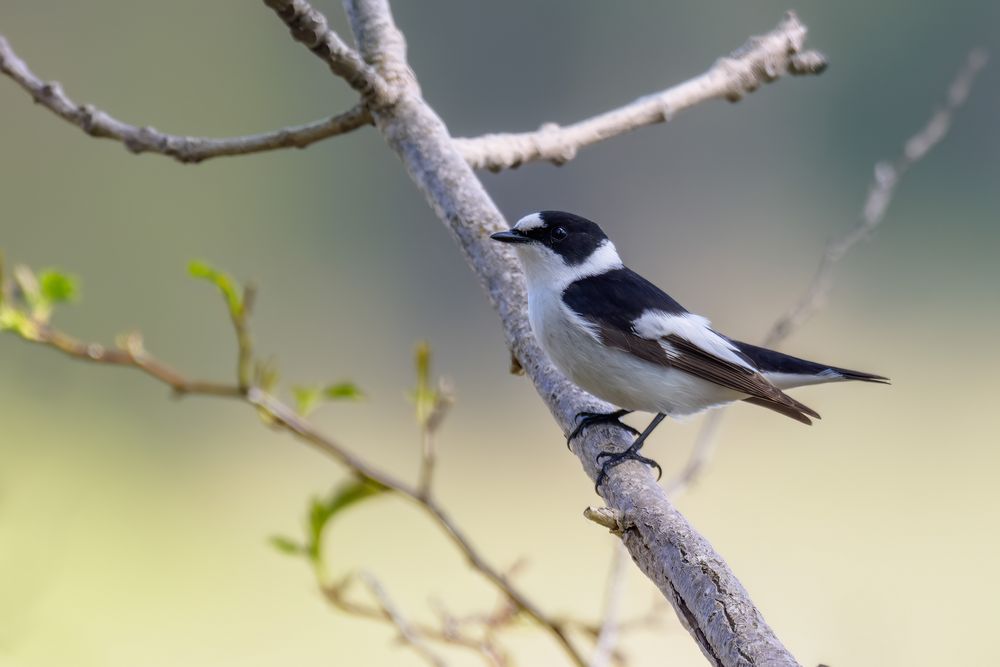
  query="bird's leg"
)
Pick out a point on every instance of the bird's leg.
point(630, 454)
point(591, 418)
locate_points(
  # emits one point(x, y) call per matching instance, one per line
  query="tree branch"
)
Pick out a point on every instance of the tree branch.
point(311, 28)
point(761, 60)
point(407, 632)
point(706, 595)
point(708, 598)
point(130, 353)
point(813, 298)
point(98, 123)
point(610, 629)
point(880, 193)
point(450, 634)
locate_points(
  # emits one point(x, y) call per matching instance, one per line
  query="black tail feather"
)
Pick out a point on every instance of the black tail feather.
point(772, 361)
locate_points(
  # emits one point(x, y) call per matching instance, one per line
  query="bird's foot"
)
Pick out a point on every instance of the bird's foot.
point(592, 418)
point(616, 458)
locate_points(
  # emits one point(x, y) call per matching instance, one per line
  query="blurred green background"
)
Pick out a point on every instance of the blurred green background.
point(133, 528)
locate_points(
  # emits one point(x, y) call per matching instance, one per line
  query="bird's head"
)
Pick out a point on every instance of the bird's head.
point(557, 248)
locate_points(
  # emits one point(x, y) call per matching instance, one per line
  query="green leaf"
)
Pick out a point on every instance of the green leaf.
point(230, 288)
point(424, 396)
point(323, 510)
point(57, 287)
point(286, 545)
point(12, 319)
point(343, 391)
point(266, 374)
point(306, 399)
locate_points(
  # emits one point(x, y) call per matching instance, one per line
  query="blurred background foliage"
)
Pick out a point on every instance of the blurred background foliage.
point(133, 528)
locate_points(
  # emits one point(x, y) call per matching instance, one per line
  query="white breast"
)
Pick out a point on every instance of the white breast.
point(611, 374)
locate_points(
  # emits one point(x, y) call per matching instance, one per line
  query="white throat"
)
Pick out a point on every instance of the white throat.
point(546, 270)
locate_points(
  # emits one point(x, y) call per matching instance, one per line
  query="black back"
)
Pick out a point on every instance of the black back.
point(582, 237)
point(618, 297)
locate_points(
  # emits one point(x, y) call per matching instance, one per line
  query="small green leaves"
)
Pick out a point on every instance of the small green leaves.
point(431, 401)
point(229, 287)
point(343, 391)
point(266, 374)
point(29, 302)
point(308, 398)
point(424, 396)
point(56, 287)
point(12, 319)
point(240, 303)
point(287, 545)
point(323, 510)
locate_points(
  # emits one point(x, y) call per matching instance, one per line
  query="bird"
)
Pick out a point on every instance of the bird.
point(624, 340)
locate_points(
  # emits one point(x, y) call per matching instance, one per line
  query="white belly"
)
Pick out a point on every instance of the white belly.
point(614, 375)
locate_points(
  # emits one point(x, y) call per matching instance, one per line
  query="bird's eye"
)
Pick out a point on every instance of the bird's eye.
point(558, 234)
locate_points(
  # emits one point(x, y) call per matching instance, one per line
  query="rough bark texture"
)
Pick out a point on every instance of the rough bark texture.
point(708, 598)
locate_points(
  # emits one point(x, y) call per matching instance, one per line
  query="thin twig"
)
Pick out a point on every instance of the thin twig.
point(449, 634)
point(764, 58)
point(443, 400)
point(283, 416)
point(813, 298)
point(880, 194)
point(607, 636)
point(98, 123)
point(132, 355)
point(407, 632)
point(311, 28)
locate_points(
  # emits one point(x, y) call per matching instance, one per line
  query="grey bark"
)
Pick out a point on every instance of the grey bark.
point(707, 596)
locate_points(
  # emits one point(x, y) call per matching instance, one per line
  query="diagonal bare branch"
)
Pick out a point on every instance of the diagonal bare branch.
point(880, 194)
point(131, 354)
point(98, 123)
point(310, 27)
point(707, 596)
point(762, 59)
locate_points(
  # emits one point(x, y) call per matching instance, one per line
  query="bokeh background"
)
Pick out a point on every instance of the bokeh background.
point(133, 527)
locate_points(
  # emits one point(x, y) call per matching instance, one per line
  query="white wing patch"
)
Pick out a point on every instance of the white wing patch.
point(655, 324)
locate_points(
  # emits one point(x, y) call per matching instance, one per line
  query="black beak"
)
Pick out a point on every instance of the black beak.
point(510, 236)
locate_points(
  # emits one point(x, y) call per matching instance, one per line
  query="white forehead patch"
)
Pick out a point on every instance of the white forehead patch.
point(529, 222)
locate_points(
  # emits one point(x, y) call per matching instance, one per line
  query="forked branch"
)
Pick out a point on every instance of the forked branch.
point(708, 598)
point(762, 59)
point(880, 194)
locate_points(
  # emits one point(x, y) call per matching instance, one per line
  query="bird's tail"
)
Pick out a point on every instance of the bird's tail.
point(786, 371)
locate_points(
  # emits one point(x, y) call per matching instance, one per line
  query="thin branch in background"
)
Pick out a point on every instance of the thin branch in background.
point(705, 593)
point(130, 353)
point(432, 405)
point(763, 58)
point(449, 634)
point(98, 123)
point(880, 194)
point(406, 632)
point(608, 635)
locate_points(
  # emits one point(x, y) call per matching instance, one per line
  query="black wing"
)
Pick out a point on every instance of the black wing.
point(613, 301)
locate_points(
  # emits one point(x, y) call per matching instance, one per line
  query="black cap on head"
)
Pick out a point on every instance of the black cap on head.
point(570, 236)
